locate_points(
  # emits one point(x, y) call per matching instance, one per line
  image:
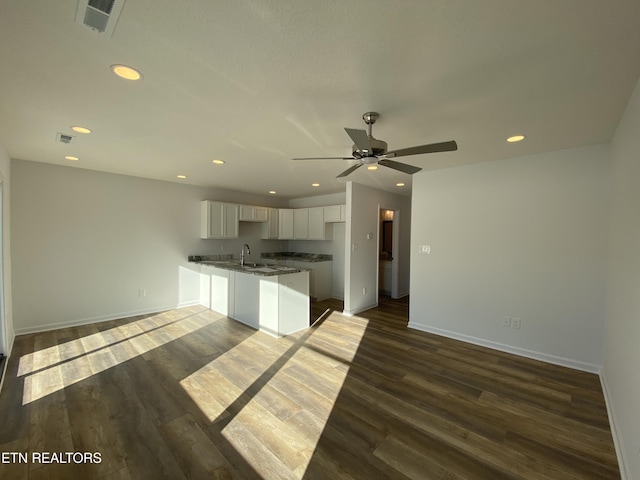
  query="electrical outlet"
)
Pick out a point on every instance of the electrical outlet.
point(364, 290)
point(506, 322)
point(142, 292)
point(515, 323)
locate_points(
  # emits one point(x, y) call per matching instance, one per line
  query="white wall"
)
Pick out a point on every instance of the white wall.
point(85, 243)
point(318, 201)
point(523, 237)
point(361, 264)
point(621, 372)
point(9, 333)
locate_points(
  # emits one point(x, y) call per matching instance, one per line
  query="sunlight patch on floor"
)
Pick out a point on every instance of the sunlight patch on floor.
point(54, 368)
point(273, 397)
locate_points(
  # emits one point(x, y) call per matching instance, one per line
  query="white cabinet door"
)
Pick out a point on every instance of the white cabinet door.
point(247, 299)
point(249, 213)
point(316, 223)
point(230, 221)
point(261, 214)
point(285, 224)
point(301, 223)
point(335, 213)
point(270, 227)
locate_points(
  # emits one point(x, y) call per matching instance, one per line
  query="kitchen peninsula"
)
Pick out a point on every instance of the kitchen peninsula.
point(270, 298)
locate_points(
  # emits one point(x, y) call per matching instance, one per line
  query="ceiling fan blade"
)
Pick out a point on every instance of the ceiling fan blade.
point(403, 167)
point(431, 148)
point(349, 170)
point(324, 158)
point(360, 138)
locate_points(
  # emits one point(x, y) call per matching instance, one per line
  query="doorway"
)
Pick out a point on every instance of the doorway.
point(388, 245)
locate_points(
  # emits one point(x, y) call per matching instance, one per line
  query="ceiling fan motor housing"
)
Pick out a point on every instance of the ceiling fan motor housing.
point(378, 147)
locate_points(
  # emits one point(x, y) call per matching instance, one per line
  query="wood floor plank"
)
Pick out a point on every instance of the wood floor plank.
point(412, 463)
point(15, 470)
point(194, 451)
point(91, 425)
point(143, 450)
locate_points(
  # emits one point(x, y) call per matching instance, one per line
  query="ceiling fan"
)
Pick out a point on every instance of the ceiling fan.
point(369, 150)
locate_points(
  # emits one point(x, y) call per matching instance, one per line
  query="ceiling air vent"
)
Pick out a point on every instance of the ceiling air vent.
point(64, 138)
point(99, 15)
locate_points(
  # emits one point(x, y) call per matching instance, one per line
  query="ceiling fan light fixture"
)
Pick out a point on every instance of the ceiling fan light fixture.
point(372, 167)
point(516, 138)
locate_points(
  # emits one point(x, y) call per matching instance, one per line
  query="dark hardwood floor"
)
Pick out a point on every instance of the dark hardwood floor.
point(188, 393)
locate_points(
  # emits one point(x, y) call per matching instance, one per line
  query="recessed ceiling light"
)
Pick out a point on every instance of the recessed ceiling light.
point(181, 176)
point(70, 157)
point(400, 184)
point(272, 192)
point(516, 138)
point(79, 129)
point(128, 73)
point(372, 167)
point(315, 184)
point(218, 162)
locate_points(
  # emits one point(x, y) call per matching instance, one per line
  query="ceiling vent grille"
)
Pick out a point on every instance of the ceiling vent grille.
point(99, 15)
point(64, 138)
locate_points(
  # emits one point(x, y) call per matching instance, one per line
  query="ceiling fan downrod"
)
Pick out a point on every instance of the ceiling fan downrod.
point(370, 118)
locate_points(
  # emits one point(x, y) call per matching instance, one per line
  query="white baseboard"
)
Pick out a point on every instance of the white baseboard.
point(100, 318)
point(613, 423)
point(523, 352)
point(351, 313)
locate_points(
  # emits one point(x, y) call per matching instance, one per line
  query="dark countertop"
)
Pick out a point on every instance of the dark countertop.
point(301, 257)
point(248, 268)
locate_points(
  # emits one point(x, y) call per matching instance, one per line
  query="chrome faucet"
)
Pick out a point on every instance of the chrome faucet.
point(242, 253)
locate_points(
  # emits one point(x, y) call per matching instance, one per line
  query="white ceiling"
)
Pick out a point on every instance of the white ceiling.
point(256, 83)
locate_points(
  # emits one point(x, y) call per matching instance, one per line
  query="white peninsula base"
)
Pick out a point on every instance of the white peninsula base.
point(275, 304)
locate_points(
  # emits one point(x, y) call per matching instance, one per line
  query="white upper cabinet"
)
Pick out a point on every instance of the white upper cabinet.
point(221, 220)
point(316, 223)
point(285, 224)
point(301, 223)
point(218, 220)
point(335, 213)
point(270, 227)
point(250, 213)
